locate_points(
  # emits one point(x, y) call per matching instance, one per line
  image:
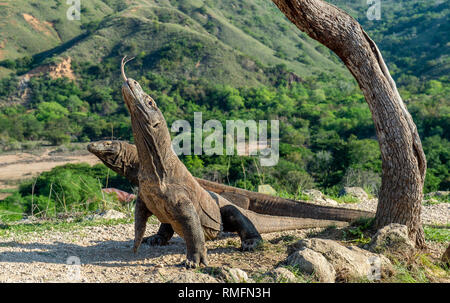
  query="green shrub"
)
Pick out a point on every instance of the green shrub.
point(69, 188)
point(11, 208)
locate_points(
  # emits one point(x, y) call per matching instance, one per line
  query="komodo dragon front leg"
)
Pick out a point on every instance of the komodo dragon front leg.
point(233, 221)
point(191, 227)
point(141, 215)
point(193, 234)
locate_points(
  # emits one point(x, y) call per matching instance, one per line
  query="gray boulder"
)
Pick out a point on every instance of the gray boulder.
point(227, 274)
point(314, 194)
point(192, 277)
point(318, 197)
point(356, 192)
point(393, 239)
point(237, 275)
point(350, 263)
point(279, 275)
point(313, 263)
point(267, 189)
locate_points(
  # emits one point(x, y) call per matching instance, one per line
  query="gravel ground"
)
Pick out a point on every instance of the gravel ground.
point(105, 252)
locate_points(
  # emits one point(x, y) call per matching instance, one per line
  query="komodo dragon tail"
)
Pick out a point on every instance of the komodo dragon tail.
point(268, 224)
point(276, 206)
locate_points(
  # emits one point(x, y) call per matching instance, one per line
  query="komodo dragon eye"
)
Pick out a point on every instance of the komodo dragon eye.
point(155, 125)
point(150, 101)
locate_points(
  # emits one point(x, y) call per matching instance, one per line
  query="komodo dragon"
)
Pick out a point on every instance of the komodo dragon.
point(169, 191)
point(122, 158)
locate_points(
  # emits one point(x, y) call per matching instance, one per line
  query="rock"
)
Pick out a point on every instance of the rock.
point(193, 277)
point(221, 274)
point(313, 263)
point(330, 201)
point(281, 275)
point(227, 274)
point(314, 194)
point(393, 239)
point(28, 220)
point(107, 215)
point(267, 189)
point(375, 260)
point(356, 192)
point(319, 198)
point(349, 263)
point(446, 256)
point(438, 193)
point(112, 214)
point(238, 276)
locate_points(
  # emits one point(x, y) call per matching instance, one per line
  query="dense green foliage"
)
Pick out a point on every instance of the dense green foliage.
point(229, 60)
point(327, 137)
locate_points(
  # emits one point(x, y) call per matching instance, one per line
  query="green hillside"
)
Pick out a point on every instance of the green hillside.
point(31, 27)
point(225, 40)
point(413, 35)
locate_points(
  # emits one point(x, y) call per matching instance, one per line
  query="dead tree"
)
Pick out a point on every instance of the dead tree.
point(403, 159)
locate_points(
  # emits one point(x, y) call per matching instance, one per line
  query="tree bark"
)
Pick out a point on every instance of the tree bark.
point(403, 159)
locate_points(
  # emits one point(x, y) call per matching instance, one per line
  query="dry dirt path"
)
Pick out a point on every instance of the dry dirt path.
point(15, 167)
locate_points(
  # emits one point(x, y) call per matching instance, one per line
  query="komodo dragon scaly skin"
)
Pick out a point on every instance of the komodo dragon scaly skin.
point(169, 191)
point(122, 158)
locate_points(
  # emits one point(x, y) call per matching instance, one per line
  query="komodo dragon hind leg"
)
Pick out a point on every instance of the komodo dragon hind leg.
point(234, 221)
point(163, 236)
point(141, 215)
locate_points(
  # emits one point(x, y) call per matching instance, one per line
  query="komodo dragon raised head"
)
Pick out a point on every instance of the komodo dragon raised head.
point(171, 193)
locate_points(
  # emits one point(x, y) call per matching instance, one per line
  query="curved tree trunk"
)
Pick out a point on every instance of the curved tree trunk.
point(403, 159)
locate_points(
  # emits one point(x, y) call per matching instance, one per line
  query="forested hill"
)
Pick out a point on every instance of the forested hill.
point(225, 41)
point(228, 59)
point(234, 36)
point(413, 35)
